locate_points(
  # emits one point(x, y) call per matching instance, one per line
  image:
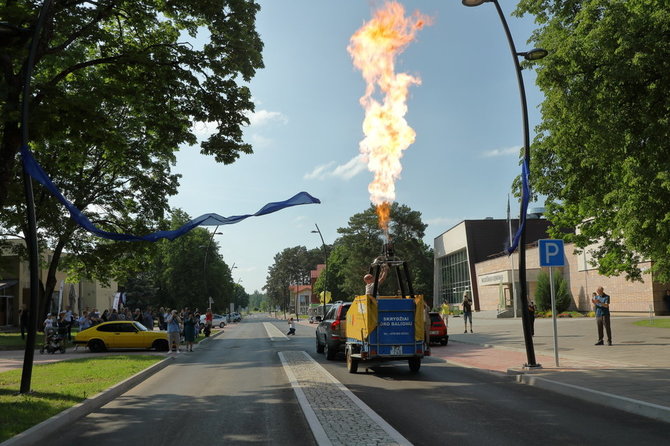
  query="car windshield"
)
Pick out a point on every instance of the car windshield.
point(140, 327)
point(343, 312)
point(434, 317)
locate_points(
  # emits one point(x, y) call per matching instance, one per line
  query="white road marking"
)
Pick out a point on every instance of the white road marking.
point(328, 405)
point(274, 333)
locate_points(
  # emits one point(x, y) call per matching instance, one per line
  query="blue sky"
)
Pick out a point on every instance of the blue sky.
point(307, 128)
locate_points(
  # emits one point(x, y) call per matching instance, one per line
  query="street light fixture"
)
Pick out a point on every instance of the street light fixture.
point(534, 54)
point(325, 285)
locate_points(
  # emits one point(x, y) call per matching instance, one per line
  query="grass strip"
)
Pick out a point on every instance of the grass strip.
point(658, 323)
point(59, 386)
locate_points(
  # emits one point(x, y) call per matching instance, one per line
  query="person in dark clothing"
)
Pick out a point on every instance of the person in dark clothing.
point(467, 311)
point(531, 314)
point(23, 321)
point(602, 303)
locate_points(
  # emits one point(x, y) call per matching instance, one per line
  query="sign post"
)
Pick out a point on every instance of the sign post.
point(552, 254)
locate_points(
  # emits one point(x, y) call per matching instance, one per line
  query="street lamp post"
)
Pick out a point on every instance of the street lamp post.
point(325, 285)
point(534, 54)
point(204, 265)
point(13, 34)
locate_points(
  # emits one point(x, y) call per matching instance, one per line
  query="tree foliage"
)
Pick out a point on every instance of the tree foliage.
point(186, 272)
point(291, 267)
point(543, 292)
point(601, 155)
point(116, 89)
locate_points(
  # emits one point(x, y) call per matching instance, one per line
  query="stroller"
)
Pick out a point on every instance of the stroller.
point(52, 342)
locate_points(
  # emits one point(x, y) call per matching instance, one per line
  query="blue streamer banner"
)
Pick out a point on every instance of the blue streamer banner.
point(37, 173)
point(525, 197)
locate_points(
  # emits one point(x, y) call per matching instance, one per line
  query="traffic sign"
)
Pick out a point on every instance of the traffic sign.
point(551, 252)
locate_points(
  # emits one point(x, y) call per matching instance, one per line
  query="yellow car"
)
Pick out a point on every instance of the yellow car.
point(121, 334)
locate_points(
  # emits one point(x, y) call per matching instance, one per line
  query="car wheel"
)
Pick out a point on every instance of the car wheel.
point(352, 363)
point(62, 350)
point(330, 351)
point(96, 346)
point(222, 324)
point(161, 345)
point(319, 347)
point(444, 341)
point(414, 364)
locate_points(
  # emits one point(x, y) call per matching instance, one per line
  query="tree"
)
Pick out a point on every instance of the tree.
point(178, 275)
point(120, 72)
point(240, 296)
point(115, 92)
point(543, 292)
point(601, 155)
point(258, 301)
point(291, 268)
point(361, 242)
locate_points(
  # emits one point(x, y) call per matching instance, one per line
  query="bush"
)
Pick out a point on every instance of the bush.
point(543, 293)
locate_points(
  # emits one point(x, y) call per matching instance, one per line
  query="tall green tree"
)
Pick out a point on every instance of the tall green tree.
point(116, 90)
point(601, 155)
point(362, 241)
point(185, 272)
point(291, 268)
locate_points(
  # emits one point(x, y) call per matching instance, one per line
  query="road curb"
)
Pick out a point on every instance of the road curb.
point(626, 404)
point(41, 432)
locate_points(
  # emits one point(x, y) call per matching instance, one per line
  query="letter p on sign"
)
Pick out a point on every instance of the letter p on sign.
point(551, 252)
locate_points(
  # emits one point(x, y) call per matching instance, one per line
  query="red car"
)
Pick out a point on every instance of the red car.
point(438, 329)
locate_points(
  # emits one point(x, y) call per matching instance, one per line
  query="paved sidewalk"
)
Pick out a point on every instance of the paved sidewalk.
point(633, 374)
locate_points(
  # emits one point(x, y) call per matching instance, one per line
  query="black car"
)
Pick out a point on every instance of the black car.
point(331, 333)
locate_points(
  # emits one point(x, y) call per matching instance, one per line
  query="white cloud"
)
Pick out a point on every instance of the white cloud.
point(318, 171)
point(344, 171)
point(202, 130)
point(263, 117)
point(259, 141)
point(505, 151)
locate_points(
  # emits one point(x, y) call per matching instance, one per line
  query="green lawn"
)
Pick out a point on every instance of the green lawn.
point(659, 323)
point(59, 386)
point(13, 341)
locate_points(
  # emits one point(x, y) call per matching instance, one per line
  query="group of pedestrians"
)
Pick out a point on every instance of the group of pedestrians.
point(600, 300)
point(185, 325)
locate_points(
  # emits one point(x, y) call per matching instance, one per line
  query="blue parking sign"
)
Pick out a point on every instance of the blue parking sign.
point(551, 252)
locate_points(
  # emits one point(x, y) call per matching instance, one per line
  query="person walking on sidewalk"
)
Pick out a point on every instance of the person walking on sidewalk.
point(602, 303)
point(467, 311)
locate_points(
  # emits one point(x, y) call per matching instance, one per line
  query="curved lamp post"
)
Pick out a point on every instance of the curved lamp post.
point(534, 54)
point(14, 35)
point(204, 264)
point(325, 285)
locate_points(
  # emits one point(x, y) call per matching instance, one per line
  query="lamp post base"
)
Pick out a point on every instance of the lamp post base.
point(532, 367)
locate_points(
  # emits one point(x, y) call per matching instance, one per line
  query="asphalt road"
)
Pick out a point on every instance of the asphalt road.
point(233, 390)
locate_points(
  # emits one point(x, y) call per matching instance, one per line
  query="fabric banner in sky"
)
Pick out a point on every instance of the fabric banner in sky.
point(36, 172)
point(525, 196)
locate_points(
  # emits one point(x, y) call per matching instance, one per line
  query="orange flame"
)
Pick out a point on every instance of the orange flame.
point(374, 48)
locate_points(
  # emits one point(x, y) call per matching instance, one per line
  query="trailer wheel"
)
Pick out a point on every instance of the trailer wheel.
point(414, 364)
point(352, 363)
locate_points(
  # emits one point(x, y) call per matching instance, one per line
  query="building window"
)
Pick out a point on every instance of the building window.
point(454, 276)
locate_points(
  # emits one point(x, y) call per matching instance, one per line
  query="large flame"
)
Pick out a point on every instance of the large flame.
point(374, 48)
